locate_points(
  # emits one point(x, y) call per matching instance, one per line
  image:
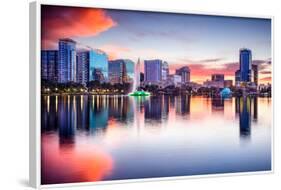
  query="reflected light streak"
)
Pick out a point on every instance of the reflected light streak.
point(48, 104)
point(56, 103)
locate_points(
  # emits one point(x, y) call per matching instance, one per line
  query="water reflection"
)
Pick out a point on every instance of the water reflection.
point(217, 104)
point(93, 113)
point(245, 116)
point(106, 132)
point(153, 109)
point(255, 108)
point(183, 105)
point(67, 119)
point(246, 106)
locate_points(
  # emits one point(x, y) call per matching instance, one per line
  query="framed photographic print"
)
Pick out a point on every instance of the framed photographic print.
point(131, 95)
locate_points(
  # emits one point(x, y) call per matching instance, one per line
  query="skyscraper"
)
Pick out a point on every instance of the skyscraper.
point(117, 71)
point(255, 73)
point(217, 77)
point(184, 72)
point(153, 70)
point(130, 68)
point(245, 65)
point(174, 80)
point(49, 63)
point(237, 77)
point(98, 75)
point(67, 61)
point(228, 83)
point(98, 65)
point(245, 116)
point(165, 71)
point(83, 60)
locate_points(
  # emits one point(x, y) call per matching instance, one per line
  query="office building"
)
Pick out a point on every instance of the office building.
point(153, 71)
point(83, 60)
point(217, 81)
point(237, 77)
point(165, 71)
point(67, 61)
point(244, 74)
point(215, 84)
point(228, 83)
point(98, 64)
point(117, 71)
point(184, 72)
point(217, 77)
point(98, 75)
point(130, 68)
point(245, 65)
point(255, 70)
point(49, 63)
point(174, 80)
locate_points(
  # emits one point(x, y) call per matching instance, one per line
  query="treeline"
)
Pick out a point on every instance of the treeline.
point(203, 91)
point(94, 87)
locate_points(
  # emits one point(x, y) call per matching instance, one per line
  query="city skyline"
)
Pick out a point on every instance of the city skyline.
point(83, 66)
point(199, 41)
point(137, 95)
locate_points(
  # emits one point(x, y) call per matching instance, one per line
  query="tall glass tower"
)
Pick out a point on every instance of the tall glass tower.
point(153, 70)
point(184, 72)
point(49, 60)
point(245, 65)
point(98, 65)
point(130, 68)
point(117, 71)
point(67, 61)
point(82, 67)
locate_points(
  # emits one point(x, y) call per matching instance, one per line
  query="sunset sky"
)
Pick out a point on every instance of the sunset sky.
point(207, 44)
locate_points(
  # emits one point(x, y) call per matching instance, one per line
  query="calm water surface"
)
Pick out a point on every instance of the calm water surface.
point(94, 138)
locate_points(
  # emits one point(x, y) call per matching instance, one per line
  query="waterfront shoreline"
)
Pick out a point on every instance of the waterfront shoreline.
point(157, 94)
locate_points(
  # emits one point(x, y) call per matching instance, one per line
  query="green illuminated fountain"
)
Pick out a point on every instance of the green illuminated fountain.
point(136, 92)
point(139, 93)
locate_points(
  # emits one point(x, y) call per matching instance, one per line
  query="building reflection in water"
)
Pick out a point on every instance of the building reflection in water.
point(67, 119)
point(255, 109)
point(172, 101)
point(139, 103)
point(93, 113)
point(157, 108)
point(165, 101)
point(245, 106)
point(217, 104)
point(98, 114)
point(183, 105)
point(153, 109)
point(245, 117)
point(49, 114)
point(120, 109)
point(83, 107)
point(70, 125)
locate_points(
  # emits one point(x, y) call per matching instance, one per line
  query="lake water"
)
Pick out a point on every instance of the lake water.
point(95, 138)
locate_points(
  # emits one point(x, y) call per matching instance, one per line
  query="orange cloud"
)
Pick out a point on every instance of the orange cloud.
point(61, 22)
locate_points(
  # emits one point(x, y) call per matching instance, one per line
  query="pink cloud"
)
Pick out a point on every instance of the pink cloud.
point(61, 22)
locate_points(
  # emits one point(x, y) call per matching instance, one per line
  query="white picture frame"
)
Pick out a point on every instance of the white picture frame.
point(35, 93)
